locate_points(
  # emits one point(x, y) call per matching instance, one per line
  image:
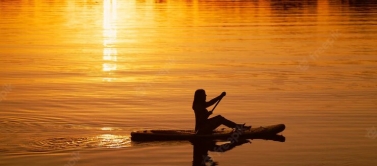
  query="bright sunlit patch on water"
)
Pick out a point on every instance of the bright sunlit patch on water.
point(108, 79)
point(71, 143)
point(106, 128)
point(109, 37)
point(113, 141)
point(109, 67)
point(109, 54)
point(109, 17)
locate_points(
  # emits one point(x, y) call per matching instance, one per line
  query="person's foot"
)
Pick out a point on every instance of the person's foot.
point(242, 127)
point(247, 127)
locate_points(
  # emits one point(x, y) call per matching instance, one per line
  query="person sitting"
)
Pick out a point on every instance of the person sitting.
point(203, 125)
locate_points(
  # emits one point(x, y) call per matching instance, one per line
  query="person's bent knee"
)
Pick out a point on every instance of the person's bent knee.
point(219, 117)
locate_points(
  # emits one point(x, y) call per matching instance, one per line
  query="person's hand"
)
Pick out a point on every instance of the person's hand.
point(223, 94)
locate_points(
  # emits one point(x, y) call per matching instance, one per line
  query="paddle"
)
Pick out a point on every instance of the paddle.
point(216, 104)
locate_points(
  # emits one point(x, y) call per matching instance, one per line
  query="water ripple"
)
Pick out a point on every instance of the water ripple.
point(74, 143)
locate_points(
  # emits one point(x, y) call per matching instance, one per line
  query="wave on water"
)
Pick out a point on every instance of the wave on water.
point(71, 143)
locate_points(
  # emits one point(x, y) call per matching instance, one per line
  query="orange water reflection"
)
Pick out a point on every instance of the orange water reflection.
point(110, 51)
point(113, 141)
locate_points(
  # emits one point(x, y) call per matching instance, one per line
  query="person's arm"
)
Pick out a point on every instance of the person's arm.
point(214, 100)
point(208, 113)
point(201, 111)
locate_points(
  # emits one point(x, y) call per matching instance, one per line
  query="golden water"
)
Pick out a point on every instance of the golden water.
point(78, 76)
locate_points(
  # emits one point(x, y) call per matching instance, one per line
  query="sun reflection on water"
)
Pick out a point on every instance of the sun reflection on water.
point(106, 128)
point(109, 38)
point(114, 141)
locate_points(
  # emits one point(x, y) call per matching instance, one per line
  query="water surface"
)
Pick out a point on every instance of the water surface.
point(78, 76)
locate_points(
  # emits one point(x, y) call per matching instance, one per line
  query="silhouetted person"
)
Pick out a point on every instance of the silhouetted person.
point(203, 125)
point(201, 148)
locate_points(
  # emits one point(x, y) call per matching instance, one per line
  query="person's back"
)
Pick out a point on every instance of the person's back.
point(199, 107)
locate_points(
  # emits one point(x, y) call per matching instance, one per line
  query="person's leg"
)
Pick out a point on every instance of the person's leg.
point(215, 122)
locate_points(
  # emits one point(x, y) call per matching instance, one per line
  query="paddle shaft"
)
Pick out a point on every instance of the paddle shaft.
point(216, 105)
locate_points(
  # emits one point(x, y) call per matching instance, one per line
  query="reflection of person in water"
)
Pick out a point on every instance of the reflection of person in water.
point(201, 148)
